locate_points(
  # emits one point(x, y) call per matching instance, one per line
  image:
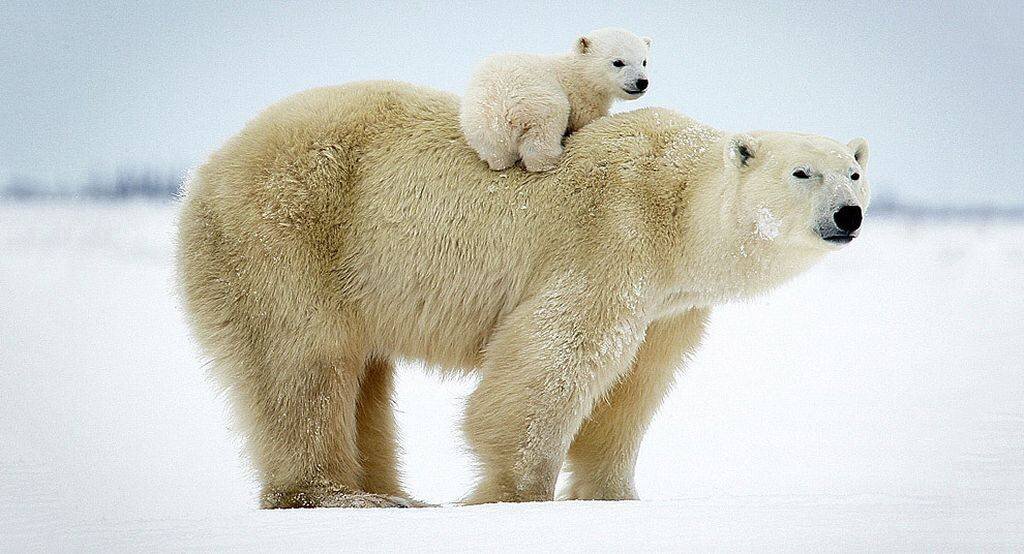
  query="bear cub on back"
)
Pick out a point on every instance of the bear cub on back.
point(520, 106)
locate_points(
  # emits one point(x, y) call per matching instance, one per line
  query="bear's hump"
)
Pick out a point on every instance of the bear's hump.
point(643, 132)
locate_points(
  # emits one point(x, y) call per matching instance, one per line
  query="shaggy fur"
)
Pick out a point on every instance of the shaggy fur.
point(346, 228)
point(519, 106)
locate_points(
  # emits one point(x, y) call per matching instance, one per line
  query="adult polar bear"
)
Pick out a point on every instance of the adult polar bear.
point(348, 227)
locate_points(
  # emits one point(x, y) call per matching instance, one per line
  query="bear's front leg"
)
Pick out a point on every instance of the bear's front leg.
point(543, 369)
point(603, 454)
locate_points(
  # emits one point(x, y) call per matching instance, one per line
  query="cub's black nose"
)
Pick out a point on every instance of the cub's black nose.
point(848, 218)
point(641, 84)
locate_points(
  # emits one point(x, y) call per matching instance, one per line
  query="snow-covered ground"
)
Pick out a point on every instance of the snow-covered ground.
point(876, 402)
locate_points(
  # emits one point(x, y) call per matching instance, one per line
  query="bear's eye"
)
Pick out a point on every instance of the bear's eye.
point(855, 176)
point(618, 63)
point(645, 63)
point(801, 174)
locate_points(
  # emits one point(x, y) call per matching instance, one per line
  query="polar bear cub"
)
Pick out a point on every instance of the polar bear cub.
point(520, 106)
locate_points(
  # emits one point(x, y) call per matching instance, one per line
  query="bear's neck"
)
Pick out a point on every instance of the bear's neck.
point(589, 99)
point(724, 253)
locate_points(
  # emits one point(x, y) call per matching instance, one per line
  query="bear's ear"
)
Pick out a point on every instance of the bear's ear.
point(647, 41)
point(582, 45)
point(742, 150)
point(859, 147)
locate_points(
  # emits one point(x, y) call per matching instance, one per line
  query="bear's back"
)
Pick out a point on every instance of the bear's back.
point(367, 195)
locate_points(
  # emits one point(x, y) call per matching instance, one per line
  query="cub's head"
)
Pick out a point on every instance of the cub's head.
point(799, 191)
point(618, 58)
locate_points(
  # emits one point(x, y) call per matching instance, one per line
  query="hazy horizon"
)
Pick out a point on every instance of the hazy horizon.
point(89, 90)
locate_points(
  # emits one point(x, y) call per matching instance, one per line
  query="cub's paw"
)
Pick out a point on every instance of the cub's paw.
point(499, 163)
point(540, 165)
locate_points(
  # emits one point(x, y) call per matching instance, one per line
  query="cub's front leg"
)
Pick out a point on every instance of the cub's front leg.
point(543, 370)
point(540, 146)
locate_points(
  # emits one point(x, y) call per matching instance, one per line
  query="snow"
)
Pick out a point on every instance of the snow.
point(766, 224)
point(875, 402)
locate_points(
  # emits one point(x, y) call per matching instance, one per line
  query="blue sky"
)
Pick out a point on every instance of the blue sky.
point(936, 87)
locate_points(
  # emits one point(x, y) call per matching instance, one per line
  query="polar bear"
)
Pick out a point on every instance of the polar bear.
point(519, 106)
point(349, 227)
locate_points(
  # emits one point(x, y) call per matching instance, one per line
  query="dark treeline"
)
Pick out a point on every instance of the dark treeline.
point(884, 206)
point(147, 184)
point(127, 184)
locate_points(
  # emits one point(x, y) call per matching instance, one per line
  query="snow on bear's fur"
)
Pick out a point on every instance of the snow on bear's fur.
point(347, 228)
point(519, 106)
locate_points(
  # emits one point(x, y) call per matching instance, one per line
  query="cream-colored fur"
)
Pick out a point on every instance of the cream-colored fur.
point(345, 228)
point(519, 106)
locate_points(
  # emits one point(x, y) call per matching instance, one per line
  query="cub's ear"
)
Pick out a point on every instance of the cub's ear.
point(859, 147)
point(742, 150)
point(582, 45)
point(647, 41)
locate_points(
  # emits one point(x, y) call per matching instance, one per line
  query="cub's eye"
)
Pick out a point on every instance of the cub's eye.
point(855, 176)
point(618, 63)
point(645, 63)
point(801, 174)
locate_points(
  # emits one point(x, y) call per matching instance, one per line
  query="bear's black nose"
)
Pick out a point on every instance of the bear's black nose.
point(641, 84)
point(848, 218)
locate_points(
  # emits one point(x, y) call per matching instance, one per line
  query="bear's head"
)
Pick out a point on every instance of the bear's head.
point(616, 58)
point(798, 191)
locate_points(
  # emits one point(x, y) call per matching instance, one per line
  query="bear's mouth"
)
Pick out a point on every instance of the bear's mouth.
point(634, 92)
point(839, 239)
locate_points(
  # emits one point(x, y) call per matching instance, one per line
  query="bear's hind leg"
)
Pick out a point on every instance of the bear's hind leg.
point(300, 416)
point(376, 434)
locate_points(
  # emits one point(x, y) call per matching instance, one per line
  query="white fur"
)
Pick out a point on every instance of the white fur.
point(519, 106)
point(344, 229)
